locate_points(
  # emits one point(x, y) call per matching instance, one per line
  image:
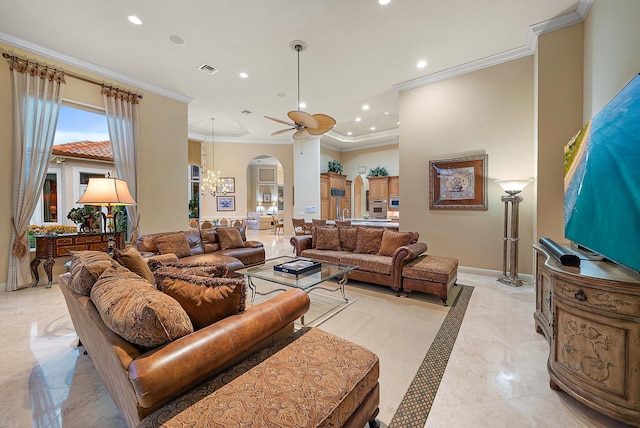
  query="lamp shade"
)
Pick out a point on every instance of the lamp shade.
point(107, 191)
point(513, 187)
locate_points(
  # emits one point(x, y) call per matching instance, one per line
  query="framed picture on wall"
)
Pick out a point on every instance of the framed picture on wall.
point(226, 203)
point(227, 185)
point(266, 198)
point(458, 184)
point(267, 175)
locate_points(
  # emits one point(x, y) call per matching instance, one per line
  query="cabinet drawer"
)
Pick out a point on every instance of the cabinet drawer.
point(66, 250)
point(612, 302)
point(88, 239)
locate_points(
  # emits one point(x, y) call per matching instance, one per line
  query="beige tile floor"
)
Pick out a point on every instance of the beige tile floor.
point(496, 376)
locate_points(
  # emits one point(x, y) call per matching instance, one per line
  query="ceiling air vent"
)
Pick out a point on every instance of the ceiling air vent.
point(208, 69)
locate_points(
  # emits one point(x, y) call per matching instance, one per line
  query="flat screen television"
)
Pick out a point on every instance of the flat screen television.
point(602, 181)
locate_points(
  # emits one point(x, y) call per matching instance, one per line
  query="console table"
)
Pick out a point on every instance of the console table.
point(49, 247)
point(590, 316)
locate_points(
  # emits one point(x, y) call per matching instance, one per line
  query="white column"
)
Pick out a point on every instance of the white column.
point(306, 178)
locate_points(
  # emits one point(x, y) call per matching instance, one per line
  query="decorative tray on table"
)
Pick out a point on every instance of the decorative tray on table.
point(298, 266)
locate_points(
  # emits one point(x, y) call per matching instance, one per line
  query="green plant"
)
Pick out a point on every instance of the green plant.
point(194, 206)
point(335, 166)
point(84, 216)
point(378, 171)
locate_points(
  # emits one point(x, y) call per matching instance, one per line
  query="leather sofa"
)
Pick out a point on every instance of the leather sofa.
point(372, 267)
point(141, 381)
point(205, 248)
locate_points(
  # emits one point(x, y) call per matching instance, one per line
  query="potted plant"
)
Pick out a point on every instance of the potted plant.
point(378, 171)
point(335, 166)
point(85, 217)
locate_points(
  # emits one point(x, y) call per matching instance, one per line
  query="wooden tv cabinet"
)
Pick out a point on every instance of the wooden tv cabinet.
point(590, 316)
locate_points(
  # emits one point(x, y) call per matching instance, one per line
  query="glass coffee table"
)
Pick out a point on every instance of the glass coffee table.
point(304, 281)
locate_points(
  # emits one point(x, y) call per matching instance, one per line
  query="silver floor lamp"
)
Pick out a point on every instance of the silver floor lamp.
point(510, 239)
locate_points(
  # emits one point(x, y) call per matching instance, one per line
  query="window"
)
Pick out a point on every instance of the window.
point(49, 205)
point(194, 191)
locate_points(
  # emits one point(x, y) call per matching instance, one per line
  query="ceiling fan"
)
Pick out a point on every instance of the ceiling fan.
point(303, 123)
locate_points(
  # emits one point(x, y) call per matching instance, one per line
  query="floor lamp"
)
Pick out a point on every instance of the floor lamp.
point(510, 239)
point(107, 192)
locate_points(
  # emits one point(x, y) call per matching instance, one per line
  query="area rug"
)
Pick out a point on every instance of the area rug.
point(416, 403)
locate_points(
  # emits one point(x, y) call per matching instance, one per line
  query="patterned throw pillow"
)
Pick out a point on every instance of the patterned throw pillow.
point(175, 243)
point(132, 260)
point(230, 237)
point(206, 300)
point(327, 238)
point(86, 268)
point(138, 312)
point(368, 240)
point(392, 240)
point(348, 238)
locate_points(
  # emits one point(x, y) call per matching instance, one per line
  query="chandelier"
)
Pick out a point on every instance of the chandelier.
point(210, 178)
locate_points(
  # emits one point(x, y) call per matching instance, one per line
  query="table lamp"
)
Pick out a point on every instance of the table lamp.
point(107, 192)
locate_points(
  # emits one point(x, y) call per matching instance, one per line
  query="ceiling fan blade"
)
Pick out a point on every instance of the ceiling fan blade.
point(325, 123)
point(304, 118)
point(282, 131)
point(301, 135)
point(280, 121)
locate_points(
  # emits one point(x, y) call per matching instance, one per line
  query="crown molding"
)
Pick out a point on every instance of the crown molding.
point(40, 50)
point(556, 23)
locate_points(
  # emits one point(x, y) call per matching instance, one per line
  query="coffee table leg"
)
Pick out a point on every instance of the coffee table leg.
point(342, 282)
point(252, 287)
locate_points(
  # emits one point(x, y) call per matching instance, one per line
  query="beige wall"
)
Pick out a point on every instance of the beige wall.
point(612, 56)
point(163, 151)
point(559, 83)
point(488, 111)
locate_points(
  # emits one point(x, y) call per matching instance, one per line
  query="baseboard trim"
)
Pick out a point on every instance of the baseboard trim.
point(491, 273)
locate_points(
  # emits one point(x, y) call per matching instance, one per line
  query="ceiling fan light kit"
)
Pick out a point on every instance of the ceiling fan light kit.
point(304, 124)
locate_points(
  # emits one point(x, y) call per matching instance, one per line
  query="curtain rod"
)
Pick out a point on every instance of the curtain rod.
point(75, 76)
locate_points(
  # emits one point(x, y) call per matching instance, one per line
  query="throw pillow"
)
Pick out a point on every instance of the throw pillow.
point(210, 241)
point(368, 240)
point(392, 240)
point(230, 237)
point(194, 240)
point(348, 238)
point(175, 243)
point(132, 260)
point(206, 300)
point(86, 267)
point(135, 310)
point(327, 238)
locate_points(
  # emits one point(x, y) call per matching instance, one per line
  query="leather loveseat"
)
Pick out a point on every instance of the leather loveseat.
point(379, 253)
point(205, 246)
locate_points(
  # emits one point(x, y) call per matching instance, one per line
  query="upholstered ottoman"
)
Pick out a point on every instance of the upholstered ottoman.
point(310, 379)
point(430, 274)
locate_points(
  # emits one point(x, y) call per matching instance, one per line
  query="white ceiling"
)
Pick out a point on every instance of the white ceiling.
point(357, 52)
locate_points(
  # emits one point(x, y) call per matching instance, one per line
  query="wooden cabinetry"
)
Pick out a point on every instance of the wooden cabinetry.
point(328, 203)
point(591, 318)
point(394, 186)
point(378, 188)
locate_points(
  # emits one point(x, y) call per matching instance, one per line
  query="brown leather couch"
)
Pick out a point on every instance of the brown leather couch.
point(372, 268)
point(206, 249)
point(141, 381)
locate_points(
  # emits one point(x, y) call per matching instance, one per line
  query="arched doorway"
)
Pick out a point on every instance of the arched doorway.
point(360, 187)
point(265, 185)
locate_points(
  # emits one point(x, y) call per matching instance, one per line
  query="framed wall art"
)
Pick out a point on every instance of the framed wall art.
point(266, 198)
point(227, 185)
point(226, 203)
point(458, 184)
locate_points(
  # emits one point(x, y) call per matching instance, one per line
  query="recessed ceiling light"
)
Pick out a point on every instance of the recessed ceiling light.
point(421, 64)
point(373, 128)
point(358, 119)
point(384, 2)
point(365, 107)
point(349, 133)
point(243, 75)
point(303, 105)
point(134, 20)
point(386, 112)
point(177, 40)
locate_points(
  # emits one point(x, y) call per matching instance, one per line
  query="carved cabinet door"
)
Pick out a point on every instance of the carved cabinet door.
point(596, 352)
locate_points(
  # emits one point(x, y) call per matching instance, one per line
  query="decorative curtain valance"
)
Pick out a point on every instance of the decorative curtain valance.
point(34, 69)
point(120, 94)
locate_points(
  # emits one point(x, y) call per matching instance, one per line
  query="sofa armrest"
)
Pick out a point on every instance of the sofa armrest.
point(300, 243)
point(164, 258)
point(166, 372)
point(402, 256)
point(253, 244)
